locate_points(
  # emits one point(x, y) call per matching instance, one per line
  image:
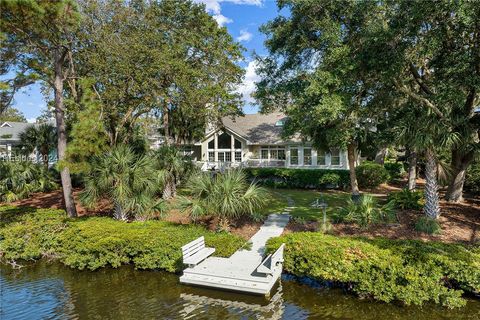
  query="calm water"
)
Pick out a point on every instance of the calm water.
point(52, 291)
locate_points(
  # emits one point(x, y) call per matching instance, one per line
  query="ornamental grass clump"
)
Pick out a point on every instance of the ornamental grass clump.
point(367, 211)
point(225, 195)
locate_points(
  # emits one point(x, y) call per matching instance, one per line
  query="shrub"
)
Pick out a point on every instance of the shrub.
point(128, 180)
point(18, 180)
point(227, 195)
point(427, 225)
point(298, 178)
point(413, 272)
point(92, 243)
point(366, 212)
point(472, 179)
point(329, 179)
point(395, 170)
point(371, 175)
point(407, 199)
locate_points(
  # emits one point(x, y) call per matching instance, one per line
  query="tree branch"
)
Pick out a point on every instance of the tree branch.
point(419, 79)
point(419, 98)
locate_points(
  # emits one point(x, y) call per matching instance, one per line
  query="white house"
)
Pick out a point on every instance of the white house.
point(255, 140)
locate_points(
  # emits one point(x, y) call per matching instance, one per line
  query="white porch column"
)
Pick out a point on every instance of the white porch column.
point(287, 156)
point(232, 148)
point(215, 146)
point(314, 157)
point(328, 159)
point(300, 155)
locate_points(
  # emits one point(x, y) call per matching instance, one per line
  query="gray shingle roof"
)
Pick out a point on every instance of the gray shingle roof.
point(259, 128)
point(14, 129)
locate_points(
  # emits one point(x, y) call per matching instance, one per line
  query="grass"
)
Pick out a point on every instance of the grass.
point(303, 200)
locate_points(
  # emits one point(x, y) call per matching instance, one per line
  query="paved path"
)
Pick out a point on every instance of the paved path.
point(238, 272)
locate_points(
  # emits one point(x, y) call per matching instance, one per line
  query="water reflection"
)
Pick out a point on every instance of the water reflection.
point(52, 291)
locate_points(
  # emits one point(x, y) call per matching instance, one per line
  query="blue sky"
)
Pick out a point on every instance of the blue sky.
point(242, 19)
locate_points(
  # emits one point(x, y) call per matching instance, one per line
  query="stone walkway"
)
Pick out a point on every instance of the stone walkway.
point(238, 272)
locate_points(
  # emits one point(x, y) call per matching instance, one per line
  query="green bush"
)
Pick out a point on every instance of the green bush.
point(371, 174)
point(366, 212)
point(395, 170)
point(412, 272)
point(407, 199)
point(427, 225)
point(472, 179)
point(299, 178)
point(18, 180)
point(92, 243)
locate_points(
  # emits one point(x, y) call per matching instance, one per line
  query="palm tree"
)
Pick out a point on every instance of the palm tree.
point(227, 195)
point(42, 137)
point(428, 134)
point(174, 167)
point(128, 180)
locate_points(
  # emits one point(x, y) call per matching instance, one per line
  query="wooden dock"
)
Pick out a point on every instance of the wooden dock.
point(246, 270)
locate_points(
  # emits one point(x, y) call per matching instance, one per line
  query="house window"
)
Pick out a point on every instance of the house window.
point(335, 157)
point(224, 141)
point(238, 157)
point(321, 158)
point(211, 156)
point(273, 154)
point(307, 156)
point(264, 154)
point(211, 144)
point(238, 144)
point(279, 123)
point(221, 157)
point(281, 154)
point(228, 156)
point(294, 156)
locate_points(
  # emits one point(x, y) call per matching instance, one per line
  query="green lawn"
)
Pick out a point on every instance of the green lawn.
point(303, 200)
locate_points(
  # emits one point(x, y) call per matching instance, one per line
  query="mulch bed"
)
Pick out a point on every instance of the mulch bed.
point(459, 222)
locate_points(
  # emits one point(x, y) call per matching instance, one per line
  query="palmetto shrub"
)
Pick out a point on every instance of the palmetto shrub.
point(427, 225)
point(407, 199)
point(18, 180)
point(367, 211)
point(130, 181)
point(226, 195)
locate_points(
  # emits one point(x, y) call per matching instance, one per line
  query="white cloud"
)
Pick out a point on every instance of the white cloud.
point(214, 7)
point(248, 85)
point(221, 19)
point(244, 36)
point(31, 120)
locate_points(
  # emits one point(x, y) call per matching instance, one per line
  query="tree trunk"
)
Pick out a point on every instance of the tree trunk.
point(353, 176)
point(119, 213)
point(460, 163)
point(432, 206)
point(166, 124)
point(62, 135)
point(170, 189)
point(380, 156)
point(412, 170)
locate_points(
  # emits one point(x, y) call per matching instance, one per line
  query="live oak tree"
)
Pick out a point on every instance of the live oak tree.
point(168, 58)
point(315, 75)
point(37, 38)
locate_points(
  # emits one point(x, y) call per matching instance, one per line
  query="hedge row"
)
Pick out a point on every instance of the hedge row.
point(92, 243)
point(299, 178)
point(410, 271)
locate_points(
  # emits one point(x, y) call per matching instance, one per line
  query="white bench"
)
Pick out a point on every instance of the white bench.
point(270, 263)
point(195, 252)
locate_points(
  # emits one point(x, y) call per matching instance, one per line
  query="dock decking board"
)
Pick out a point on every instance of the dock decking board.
point(238, 272)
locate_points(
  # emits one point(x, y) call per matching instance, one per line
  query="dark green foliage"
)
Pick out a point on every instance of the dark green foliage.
point(299, 178)
point(366, 212)
point(20, 179)
point(371, 174)
point(407, 199)
point(92, 243)
point(412, 272)
point(395, 170)
point(428, 225)
point(472, 180)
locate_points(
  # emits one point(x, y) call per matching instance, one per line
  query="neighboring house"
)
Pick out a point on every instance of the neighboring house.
point(255, 140)
point(10, 142)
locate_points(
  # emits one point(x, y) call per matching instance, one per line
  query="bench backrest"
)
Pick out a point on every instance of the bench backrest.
point(193, 247)
point(278, 256)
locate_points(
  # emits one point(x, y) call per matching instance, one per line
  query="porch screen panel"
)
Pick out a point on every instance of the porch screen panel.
point(294, 156)
point(321, 158)
point(307, 157)
point(335, 157)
